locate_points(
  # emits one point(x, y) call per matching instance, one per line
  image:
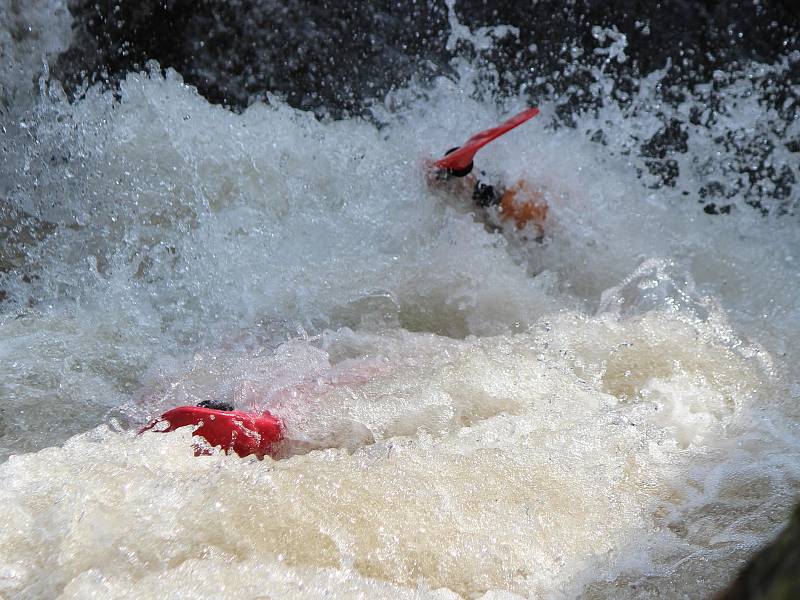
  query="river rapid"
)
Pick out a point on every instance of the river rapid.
point(608, 413)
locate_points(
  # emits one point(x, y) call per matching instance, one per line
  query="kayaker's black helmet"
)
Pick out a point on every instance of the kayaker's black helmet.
point(216, 405)
point(448, 173)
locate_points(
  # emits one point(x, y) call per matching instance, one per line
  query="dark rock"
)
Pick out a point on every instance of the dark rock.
point(339, 56)
point(668, 140)
point(318, 55)
point(774, 573)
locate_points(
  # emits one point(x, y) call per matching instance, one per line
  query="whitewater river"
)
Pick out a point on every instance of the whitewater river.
point(609, 413)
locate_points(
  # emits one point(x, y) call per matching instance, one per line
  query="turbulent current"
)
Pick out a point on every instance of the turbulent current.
point(609, 412)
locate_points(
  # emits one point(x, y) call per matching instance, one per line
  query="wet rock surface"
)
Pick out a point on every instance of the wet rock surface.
point(774, 573)
point(338, 57)
point(326, 55)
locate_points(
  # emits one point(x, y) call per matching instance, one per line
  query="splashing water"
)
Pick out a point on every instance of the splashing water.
point(609, 413)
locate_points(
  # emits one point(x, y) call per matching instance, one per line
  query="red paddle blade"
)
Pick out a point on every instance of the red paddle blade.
point(233, 430)
point(461, 158)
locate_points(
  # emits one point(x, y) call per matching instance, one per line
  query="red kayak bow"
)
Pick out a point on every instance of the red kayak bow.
point(232, 430)
point(461, 159)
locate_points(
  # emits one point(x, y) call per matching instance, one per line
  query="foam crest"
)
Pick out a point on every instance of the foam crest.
point(541, 462)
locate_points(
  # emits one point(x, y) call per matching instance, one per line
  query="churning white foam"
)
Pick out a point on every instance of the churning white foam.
point(467, 412)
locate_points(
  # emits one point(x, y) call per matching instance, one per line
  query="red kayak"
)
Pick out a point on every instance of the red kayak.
point(248, 433)
point(232, 430)
point(459, 160)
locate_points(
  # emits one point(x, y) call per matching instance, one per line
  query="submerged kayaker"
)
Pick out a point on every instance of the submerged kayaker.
point(518, 203)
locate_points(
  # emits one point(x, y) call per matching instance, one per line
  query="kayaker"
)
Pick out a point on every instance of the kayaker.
point(518, 203)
